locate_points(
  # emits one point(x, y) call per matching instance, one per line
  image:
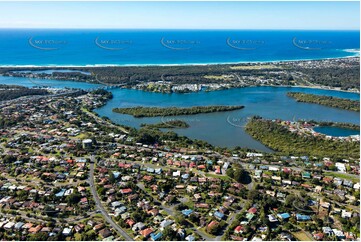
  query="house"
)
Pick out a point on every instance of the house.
point(79, 228)
point(104, 233)
point(340, 167)
point(212, 224)
point(98, 227)
point(35, 230)
point(283, 216)
point(18, 225)
point(327, 230)
point(116, 204)
point(130, 222)
point(345, 214)
point(67, 231)
point(301, 217)
point(272, 218)
point(165, 223)
point(156, 236)
point(187, 212)
point(138, 226)
point(318, 236)
point(146, 232)
point(238, 229)
point(252, 210)
point(339, 234)
point(219, 215)
point(306, 175)
point(236, 238)
point(318, 189)
point(9, 226)
point(125, 191)
point(190, 238)
point(91, 223)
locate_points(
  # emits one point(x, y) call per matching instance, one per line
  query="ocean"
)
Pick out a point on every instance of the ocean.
point(50, 47)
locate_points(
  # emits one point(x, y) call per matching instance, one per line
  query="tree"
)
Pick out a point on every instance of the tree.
point(111, 177)
point(73, 198)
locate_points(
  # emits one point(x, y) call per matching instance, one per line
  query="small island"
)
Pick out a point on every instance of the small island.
point(167, 125)
point(140, 112)
point(329, 101)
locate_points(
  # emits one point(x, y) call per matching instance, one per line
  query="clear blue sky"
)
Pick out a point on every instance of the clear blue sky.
point(181, 15)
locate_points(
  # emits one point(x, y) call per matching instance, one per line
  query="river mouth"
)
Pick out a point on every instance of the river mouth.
point(336, 131)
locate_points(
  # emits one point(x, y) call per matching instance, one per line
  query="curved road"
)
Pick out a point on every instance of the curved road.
point(100, 207)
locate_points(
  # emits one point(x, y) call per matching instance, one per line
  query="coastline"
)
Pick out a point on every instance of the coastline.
point(356, 55)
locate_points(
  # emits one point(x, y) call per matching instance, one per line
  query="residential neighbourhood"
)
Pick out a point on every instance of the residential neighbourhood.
point(67, 174)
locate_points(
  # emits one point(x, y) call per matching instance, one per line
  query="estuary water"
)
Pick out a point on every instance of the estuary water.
point(224, 129)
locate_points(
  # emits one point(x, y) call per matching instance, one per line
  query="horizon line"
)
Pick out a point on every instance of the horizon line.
point(111, 28)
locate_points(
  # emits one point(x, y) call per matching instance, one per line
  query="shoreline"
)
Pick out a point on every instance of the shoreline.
point(319, 87)
point(357, 55)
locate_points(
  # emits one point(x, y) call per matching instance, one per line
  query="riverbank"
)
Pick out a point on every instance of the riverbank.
point(326, 101)
point(139, 112)
point(337, 74)
point(288, 138)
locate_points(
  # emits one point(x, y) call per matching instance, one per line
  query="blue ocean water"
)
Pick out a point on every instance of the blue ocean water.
point(36, 47)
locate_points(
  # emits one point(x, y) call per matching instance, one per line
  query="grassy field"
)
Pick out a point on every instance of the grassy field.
point(343, 176)
point(222, 77)
point(302, 236)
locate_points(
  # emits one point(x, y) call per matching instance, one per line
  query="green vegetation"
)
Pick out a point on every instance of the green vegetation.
point(342, 176)
point(167, 125)
point(139, 112)
point(239, 174)
point(338, 73)
point(326, 101)
point(279, 138)
point(12, 92)
point(336, 124)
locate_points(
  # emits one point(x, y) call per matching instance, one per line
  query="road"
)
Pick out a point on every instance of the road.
point(100, 207)
point(171, 212)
